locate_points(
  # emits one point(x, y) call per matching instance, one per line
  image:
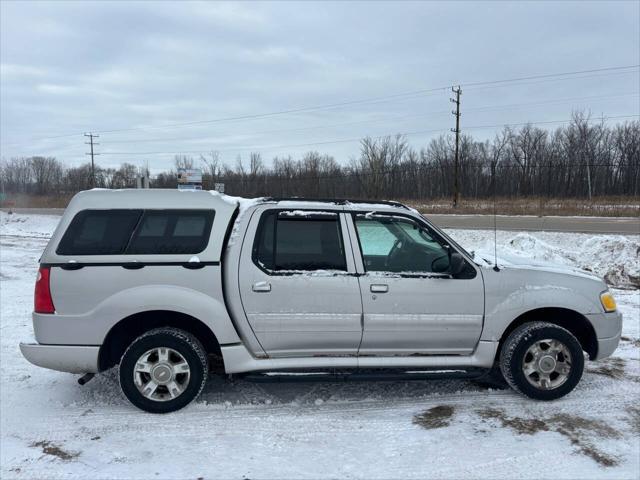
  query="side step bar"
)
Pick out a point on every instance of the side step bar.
point(360, 376)
point(237, 359)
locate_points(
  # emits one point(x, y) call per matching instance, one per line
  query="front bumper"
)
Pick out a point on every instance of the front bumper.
point(608, 327)
point(64, 358)
point(606, 346)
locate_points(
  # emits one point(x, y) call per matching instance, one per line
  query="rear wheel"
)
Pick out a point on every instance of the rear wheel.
point(542, 360)
point(163, 370)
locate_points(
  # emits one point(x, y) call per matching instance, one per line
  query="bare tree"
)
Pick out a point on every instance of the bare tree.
point(211, 163)
point(255, 164)
point(183, 162)
point(47, 173)
point(211, 169)
point(584, 158)
point(378, 159)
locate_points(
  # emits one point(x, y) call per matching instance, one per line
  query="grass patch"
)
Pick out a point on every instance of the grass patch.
point(435, 417)
point(578, 430)
point(614, 206)
point(50, 448)
point(612, 367)
point(634, 342)
point(634, 418)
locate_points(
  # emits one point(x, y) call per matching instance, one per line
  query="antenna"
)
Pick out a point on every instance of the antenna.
point(495, 224)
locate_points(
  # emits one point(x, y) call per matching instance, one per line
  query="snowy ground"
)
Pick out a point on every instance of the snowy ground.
point(53, 428)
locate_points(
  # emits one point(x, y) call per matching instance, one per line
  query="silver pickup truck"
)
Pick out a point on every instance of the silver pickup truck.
point(172, 285)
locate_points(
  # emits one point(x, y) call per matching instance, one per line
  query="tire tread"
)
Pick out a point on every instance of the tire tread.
point(180, 335)
point(521, 334)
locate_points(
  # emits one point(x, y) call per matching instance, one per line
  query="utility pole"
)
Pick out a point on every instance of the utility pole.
point(456, 113)
point(91, 136)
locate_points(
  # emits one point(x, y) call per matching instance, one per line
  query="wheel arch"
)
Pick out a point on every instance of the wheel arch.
point(129, 328)
point(575, 322)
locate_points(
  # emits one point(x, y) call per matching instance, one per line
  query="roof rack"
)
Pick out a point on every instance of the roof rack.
point(335, 201)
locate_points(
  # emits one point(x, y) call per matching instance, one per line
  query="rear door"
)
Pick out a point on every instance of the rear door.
point(411, 304)
point(299, 289)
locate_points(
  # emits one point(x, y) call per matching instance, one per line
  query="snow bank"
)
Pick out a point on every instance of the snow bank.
point(616, 258)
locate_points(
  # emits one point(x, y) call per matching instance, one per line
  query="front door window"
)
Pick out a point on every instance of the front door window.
point(399, 244)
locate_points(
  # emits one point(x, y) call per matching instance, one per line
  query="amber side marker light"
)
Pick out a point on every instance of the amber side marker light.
point(608, 302)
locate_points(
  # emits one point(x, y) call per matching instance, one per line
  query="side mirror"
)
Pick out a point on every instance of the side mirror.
point(456, 264)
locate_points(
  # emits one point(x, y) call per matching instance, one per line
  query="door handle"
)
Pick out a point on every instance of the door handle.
point(193, 265)
point(133, 265)
point(378, 288)
point(261, 287)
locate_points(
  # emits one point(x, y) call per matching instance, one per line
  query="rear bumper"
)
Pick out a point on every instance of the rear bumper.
point(63, 358)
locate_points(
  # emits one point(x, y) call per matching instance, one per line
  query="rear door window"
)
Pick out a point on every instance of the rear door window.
point(99, 232)
point(294, 241)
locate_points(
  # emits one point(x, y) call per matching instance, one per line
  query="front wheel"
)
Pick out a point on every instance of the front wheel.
point(163, 370)
point(542, 360)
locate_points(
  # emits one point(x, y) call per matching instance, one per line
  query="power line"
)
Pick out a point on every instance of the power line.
point(537, 82)
point(549, 75)
point(543, 77)
point(268, 114)
point(556, 101)
point(361, 101)
point(355, 139)
point(360, 122)
point(348, 140)
point(74, 146)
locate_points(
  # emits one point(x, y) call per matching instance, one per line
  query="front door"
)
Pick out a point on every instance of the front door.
point(300, 291)
point(411, 304)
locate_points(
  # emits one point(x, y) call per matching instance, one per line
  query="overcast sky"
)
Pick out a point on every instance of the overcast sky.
point(69, 68)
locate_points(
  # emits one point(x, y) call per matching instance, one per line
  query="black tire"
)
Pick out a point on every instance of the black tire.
point(492, 378)
point(188, 346)
point(512, 357)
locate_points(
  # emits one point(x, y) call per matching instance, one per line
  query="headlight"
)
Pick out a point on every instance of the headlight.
point(608, 302)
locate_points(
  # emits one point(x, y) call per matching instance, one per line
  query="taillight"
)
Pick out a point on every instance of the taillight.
point(43, 303)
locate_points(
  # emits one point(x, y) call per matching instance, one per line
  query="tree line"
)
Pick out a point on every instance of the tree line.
point(582, 159)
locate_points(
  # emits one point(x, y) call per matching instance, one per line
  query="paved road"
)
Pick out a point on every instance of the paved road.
point(625, 226)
